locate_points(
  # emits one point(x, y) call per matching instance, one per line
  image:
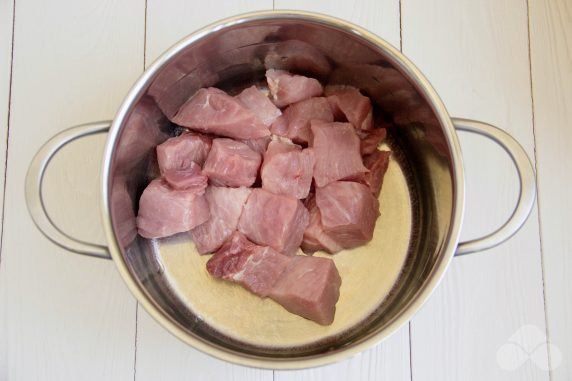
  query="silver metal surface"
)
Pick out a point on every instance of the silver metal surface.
point(232, 54)
point(421, 203)
point(527, 186)
point(34, 194)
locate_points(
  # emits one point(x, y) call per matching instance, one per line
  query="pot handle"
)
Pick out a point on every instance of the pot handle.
point(34, 195)
point(527, 185)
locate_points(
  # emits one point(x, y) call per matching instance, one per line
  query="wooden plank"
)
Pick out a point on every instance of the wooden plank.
point(6, 18)
point(64, 316)
point(551, 56)
point(386, 361)
point(160, 355)
point(389, 360)
point(488, 311)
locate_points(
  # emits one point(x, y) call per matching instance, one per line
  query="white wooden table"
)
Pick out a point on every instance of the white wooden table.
point(506, 62)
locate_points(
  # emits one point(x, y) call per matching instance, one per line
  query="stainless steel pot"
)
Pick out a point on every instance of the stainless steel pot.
point(384, 283)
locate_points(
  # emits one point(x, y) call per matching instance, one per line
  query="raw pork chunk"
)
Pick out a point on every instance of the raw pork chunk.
point(315, 239)
point(287, 88)
point(287, 169)
point(347, 101)
point(337, 152)
point(295, 122)
point(164, 211)
point(179, 152)
point(309, 287)
point(231, 163)
point(225, 206)
point(274, 220)
point(377, 163)
point(213, 111)
point(191, 178)
point(257, 102)
point(371, 139)
point(256, 268)
point(348, 212)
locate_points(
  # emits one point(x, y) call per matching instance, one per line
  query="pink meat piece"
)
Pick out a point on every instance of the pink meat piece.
point(349, 102)
point(231, 163)
point(377, 163)
point(258, 145)
point(348, 212)
point(213, 111)
point(287, 169)
point(274, 220)
point(287, 88)
point(337, 152)
point(225, 206)
point(179, 152)
point(315, 239)
point(257, 102)
point(256, 268)
point(191, 178)
point(371, 139)
point(299, 115)
point(164, 211)
point(309, 287)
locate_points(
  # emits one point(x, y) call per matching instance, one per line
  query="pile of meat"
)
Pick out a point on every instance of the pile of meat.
point(258, 176)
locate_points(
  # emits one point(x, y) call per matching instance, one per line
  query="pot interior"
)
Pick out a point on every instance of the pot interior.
point(381, 282)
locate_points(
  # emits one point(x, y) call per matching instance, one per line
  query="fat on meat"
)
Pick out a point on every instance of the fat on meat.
point(315, 238)
point(349, 102)
point(274, 220)
point(295, 122)
point(309, 287)
point(225, 206)
point(337, 152)
point(257, 102)
point(164, 211)
point(213, 111)
point(286, 88)
point(231, 163)
point(348, 212)
point(287, 169)
point(256, 268)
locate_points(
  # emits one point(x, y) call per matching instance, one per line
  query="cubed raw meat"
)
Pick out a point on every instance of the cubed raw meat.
point(377, 163)
point(287, 169)
point(164, 211)
point(231, 163)
point(337, 152)
point(177, 153)
point(315, 239)
point(274, 220)
point(213, 111)
point(298, 116)
point(349, 102)
point(309, 287)
point(287, 88)
point(258, 145)
point(348, 212)
point(225, 206)
point(256, 268)
point(258, 103)
point(191, 178)
point(371, 139)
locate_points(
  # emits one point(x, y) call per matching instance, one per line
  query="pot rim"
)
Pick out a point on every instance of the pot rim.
point(414, 305)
